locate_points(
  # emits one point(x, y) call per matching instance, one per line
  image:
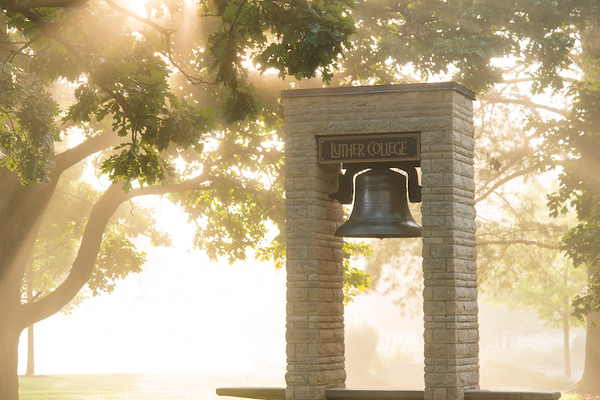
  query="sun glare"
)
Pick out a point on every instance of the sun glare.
point(138, 7)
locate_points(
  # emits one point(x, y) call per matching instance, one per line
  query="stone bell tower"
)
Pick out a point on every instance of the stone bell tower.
point(441, 115)
point(425, 130)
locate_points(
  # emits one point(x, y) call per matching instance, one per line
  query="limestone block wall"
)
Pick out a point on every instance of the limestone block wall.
point(315, 309)
point(449, 257)
point(442, 113)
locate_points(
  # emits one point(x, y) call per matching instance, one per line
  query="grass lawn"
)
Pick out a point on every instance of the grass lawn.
point(151, 386)
point(136, 386)
point(112, 386)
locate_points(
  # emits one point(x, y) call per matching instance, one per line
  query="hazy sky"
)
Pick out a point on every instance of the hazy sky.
point(182, 313)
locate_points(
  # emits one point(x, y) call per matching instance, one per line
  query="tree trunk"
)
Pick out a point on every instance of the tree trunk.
point(30, 357)
point(567, 344)
point(9, 346)
point(21, 213)
point(590, 383)
point(30, 354)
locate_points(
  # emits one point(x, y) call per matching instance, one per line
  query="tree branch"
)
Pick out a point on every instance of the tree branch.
point(147, 21)
point(526, 103)
point(45, 27)
point(502, 181)
point(517, 241)
point(72, 156)
point(167, 35)
point(8, 48)
point(83, 266)
point(514, 175)
point(20, 6)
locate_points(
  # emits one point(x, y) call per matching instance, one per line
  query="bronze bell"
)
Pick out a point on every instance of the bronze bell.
point(380, 208)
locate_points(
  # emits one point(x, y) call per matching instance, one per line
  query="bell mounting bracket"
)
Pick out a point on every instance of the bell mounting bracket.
point(356, 153)
point(345, 191)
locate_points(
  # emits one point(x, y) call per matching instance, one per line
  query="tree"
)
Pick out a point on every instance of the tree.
point(521, 267)
point(356, 280)
point(576, 140)
point(143, 96)
point(58, 240)
point(539, 56)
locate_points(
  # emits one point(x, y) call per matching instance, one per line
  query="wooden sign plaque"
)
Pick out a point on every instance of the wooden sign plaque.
point(381, 147)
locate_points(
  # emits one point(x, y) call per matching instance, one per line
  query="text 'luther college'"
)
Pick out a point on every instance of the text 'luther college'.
point(372, 149)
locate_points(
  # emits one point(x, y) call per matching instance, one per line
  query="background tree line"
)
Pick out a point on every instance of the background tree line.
point(534, 66)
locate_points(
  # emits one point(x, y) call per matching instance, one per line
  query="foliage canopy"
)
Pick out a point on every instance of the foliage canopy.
point(166, 100)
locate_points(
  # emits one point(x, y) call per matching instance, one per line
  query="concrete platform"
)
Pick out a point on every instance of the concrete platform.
point(278, 393)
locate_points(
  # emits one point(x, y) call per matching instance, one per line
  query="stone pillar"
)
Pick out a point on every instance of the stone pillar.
point(442, 113)
point(449, 256)
point(315, 308)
